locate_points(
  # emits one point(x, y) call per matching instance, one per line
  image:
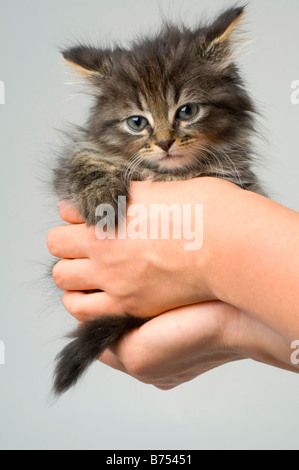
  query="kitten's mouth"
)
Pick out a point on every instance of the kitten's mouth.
point(174, 161)
point(171, 155)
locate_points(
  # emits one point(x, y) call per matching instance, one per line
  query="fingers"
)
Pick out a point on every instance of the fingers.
point(76, 275)
point(69, 214)
point(69, 241)
point(85, 306)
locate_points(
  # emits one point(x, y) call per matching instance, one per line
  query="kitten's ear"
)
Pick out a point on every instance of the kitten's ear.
point(216, 39)
point(89, 60)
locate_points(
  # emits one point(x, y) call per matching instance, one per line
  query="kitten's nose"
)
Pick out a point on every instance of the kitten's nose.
point(165, 144)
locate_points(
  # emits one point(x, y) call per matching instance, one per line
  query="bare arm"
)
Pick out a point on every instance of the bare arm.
point(254, 260)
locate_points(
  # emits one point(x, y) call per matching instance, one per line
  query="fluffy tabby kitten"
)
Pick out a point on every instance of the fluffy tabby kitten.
point(171, 107)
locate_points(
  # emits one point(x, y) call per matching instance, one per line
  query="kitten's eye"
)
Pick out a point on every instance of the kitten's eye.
point(187, 112)
point(137, 123)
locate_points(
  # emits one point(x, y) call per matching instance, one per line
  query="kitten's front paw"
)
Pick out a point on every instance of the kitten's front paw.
point(103, 202)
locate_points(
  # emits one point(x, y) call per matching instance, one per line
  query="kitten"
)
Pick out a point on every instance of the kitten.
point(172, 107)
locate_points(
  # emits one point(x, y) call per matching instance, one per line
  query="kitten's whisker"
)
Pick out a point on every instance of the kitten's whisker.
point(231, 164)
point(219, 155)
point(218, 160)
point(215, 157)
point(127, 167)
point(131, 167)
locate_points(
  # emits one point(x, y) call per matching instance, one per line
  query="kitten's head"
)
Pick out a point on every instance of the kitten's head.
point(170, 101)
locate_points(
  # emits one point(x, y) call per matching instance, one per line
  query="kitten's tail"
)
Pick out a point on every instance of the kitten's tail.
point(91, 339)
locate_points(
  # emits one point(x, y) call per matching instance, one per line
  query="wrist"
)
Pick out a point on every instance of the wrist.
point(252, 257)
point(231, 323)
point(248, 338)
point(222, 205)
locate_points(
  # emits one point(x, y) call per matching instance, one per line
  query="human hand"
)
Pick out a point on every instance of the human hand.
point(216, 333)
point(187, 342)
point(142, 277)
point(182, 344)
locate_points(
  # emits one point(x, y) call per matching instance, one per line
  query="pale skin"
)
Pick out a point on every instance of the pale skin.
point(235, 298)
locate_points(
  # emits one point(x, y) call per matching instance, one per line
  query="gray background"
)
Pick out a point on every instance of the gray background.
point(240, 406)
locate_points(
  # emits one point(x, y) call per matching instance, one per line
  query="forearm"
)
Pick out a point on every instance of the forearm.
point(254, 259)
